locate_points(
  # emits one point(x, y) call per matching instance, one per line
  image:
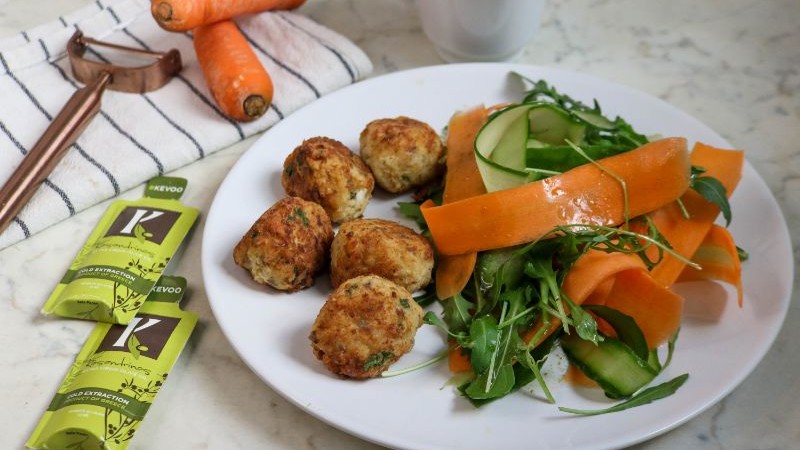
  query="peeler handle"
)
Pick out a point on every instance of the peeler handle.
point(51, 147)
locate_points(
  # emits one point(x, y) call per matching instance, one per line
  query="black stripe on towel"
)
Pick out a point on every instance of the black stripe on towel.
point(25, 36)
point(281, 64)
point(277, 111)
point(46, 51)
point(23, 226)
point(61, 193)
point(100, 167)
point(192, 88)
point(200, 150)
point(24, 88)
point(116, 126)
point(12, 138)
point(109, 10)
point(114, 15)
point(317, 39)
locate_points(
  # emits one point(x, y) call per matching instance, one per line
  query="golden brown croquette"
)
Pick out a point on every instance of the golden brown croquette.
point(402, 153)
point(365, 325)
point(325, 171)
point(287, 246)
point(384, 248)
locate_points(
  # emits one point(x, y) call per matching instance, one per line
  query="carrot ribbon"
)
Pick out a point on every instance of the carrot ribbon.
point(462, 180)
point(719, 260)
point(625, 185)
point(686, 234)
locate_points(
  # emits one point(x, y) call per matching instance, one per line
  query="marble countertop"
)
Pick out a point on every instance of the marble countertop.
point(734, 65)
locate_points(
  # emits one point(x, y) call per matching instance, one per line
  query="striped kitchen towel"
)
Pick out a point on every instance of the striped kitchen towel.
point(137, 136)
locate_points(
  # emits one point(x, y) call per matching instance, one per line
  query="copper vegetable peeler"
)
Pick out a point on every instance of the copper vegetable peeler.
point(79, 111)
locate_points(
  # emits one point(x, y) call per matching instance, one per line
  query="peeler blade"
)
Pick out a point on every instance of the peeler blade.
point(145, 78)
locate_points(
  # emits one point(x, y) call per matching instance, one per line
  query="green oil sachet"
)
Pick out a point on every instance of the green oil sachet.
point(125, 255)
point(116, 375)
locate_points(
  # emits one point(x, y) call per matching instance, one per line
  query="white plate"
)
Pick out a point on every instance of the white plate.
point(419, 411)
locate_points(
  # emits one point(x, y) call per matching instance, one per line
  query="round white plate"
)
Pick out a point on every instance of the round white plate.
point(420, 410)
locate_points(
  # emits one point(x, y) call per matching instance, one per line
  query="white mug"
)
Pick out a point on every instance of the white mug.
point(479, 30)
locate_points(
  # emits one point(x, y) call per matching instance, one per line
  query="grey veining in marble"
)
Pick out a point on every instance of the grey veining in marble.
point(735, 65)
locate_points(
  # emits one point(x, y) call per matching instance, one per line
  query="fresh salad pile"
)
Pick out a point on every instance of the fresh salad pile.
point(631, 215)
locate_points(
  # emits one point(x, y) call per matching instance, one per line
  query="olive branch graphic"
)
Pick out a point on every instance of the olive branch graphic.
point(127, 299)
point(117, 426)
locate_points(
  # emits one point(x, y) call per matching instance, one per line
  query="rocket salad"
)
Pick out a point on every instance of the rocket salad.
point(593, 282)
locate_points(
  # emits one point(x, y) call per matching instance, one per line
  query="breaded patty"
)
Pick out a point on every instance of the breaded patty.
point(402, 153)
point(384, 248)
point(287, 246)
point(365, 325)
point(325, 171)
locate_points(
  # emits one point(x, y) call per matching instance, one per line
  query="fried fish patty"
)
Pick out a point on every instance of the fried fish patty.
point(287, 246)
point(365, 325)
point(381, 247)
point(325, 171)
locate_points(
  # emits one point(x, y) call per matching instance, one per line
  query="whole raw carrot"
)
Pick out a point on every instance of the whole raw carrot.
point(238, 82)
point(183, 15)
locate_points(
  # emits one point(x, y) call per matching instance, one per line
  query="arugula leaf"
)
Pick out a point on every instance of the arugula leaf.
point(496, 271)
point(431, 318)
point(526, 371)
point(498, 379)
point(457, 313)
point(627, 329)
point(500, 384)
point(461, 337)
point(540, 269)
point(600, 130)
point(413, 211)
point(484, 334)
point(426, 298)
point(432, 191)
point(584, 323)
point(561, 158)
point(671, 348)
point(742, 254)
point(713, 191)
point(644, 397)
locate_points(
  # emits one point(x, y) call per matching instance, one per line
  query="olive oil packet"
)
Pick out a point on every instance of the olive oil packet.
point(125, 255)
point(117, 375)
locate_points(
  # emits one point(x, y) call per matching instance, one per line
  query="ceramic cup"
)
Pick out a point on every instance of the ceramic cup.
point(479, 30)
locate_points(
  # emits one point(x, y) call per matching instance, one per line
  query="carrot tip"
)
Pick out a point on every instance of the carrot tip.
point(163, 12)
point(255, 106)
